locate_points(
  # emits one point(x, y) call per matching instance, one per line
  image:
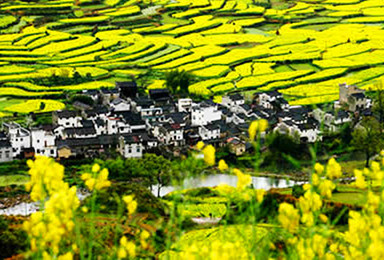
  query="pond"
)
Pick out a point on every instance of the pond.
point(27, 208)
point(265, 183)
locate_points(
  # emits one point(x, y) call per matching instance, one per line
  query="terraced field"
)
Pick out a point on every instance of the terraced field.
point(303, 48)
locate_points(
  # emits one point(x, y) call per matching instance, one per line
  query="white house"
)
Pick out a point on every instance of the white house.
point(209, 132)
point(265, 99)
point(19, 137)
point(119, 104)
point(204, 114)
point(66, 118)
point(43, 141)
point(131, 146)
point(169, 134)
point(232, 100)
point(332, 121)
point(184, 105)
point(306, 132)
point(6, 153)
point(79, 132)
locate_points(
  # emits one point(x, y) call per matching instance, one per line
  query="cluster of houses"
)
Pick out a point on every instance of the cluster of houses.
point(130, 124)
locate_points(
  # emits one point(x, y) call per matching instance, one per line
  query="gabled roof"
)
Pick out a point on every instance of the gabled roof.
point(143, 101)
point(132, 139)
point(66, 113)
point(212, 127)
point(130, 117)
point(236, 97)
point(87, 123)
point(358, 95)
point(93, 141)
point(125, 84)
point(99, 122)
point(80, 131)
point(5, 144)
point(117, 101)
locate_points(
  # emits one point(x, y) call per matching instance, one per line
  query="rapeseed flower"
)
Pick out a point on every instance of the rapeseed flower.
point(131, 204)
point(200, 145)
point(333, 169)
point(360, 180)
point(46, 177)
point(256, 127)
point(260, 195)
point(209, 155)
point(243, 180)
point(288, 217)
point(98, 180)
point(223, 166)
point(126, 249)
point(326, 187)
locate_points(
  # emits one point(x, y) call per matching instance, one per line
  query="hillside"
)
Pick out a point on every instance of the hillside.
point(302, 48)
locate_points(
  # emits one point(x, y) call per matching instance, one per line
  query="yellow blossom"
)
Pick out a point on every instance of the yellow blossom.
point(95, 168)
point(99, 179)
point(243, 180)
point(67, 256)
point(127, 248)
point(323, 218)
point(307, 219)
point(360, 180)
point(319, 169)
point(131, 204)
point(256, 127)
point(311, 201)
point(209, 155)
point(307, 186)
point(46, 177)
point(260, 195)
point(200, 145)
point(333, 169)
point(315, 179)
point(326, 187)
point(222, 165)
point(144, 235)
point(288, 217)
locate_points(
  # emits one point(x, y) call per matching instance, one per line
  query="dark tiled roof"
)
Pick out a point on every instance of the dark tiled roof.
point(125, 84)
point(5, 144)
point(87, 123)
point(358, 95)
point(132, 139)
point(212, 127)
point(273, 93)
point(236, 97)
point(94, 141)
point(80, 131)
point(66, 114)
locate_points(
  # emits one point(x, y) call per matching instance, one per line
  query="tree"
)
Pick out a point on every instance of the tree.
point(178, 81)
point(378, 103)
point(42, 105)
point(283, 150)
point(367, 137)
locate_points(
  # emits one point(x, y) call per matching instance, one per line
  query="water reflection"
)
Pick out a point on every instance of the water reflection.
point(216, 179)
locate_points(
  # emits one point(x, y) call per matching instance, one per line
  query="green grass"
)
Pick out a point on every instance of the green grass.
point(13, 180)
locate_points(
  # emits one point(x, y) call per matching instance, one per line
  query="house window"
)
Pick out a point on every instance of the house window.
point(1, 154)
point(138, 149)
point(6, 154)
point(38, 150)
point(52, 151)
point(129, 150)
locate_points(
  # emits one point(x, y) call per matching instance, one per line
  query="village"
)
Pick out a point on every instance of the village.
point(131, 125)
